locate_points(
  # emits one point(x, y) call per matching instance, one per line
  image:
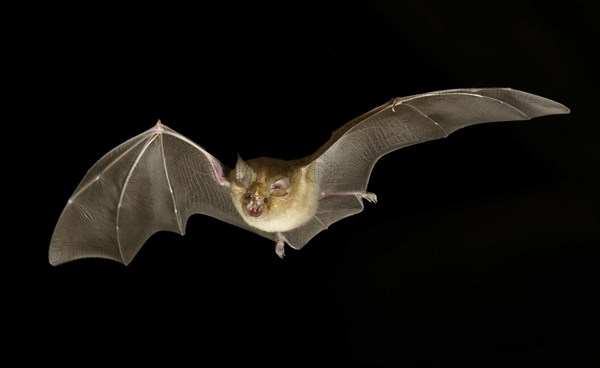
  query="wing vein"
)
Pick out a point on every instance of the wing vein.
point(507, 104)
point(175, 209)
point(473, 94)
point(321, 222)
point(425, 115)
point(217, 174)
point(122, 195)
point(86, 186)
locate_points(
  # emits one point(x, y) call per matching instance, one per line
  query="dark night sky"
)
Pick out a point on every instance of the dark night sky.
point(479, 251)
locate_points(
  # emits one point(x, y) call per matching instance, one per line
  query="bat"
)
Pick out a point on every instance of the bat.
point(156, 180)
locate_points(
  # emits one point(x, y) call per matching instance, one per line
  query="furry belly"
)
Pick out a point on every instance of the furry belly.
point(282, 221)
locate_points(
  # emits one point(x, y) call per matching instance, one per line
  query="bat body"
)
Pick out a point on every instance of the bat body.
point(156, 180)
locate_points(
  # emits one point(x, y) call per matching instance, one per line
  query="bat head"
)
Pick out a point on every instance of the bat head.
point(259, 186)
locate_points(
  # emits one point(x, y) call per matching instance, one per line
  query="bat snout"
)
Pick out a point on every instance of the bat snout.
point(255, 211)
point(255, 207)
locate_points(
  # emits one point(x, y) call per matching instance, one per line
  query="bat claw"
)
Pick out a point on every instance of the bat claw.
point(371, 197)
point(280, 245)
point(280, 249)
point(396, 102)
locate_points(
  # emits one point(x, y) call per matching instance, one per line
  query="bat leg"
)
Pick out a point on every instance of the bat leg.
point(371, 197)
point(280, 245)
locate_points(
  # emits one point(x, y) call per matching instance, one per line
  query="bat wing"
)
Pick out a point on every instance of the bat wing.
point(151, 182)
point(344, 163)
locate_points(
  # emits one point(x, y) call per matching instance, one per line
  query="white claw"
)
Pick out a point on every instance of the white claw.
point(371, 197)
point(280, 245)
point(395, 103)
point(280, 249)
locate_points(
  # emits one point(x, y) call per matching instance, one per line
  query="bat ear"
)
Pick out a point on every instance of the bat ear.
point(244, 174)
point(281, 187)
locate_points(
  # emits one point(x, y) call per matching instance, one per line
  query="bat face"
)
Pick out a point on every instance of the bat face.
point(273, 195)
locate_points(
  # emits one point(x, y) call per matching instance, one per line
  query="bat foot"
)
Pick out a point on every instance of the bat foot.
point(371, 197)
point(280, 249)
point(280, 245)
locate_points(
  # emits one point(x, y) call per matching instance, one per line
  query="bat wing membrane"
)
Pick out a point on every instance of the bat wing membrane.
point(152, 182)
point(345, 162)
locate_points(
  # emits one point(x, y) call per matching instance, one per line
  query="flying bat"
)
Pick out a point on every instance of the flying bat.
point(156, 180)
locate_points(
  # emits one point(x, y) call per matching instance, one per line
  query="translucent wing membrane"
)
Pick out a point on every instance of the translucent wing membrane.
point(152, 182)
point(345, 162)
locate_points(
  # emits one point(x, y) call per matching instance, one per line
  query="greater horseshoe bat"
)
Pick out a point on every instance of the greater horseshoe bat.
point(156, 180)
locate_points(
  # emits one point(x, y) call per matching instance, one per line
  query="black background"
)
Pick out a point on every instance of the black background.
point(479, 250)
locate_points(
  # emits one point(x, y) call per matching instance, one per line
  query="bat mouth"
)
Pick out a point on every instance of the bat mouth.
point(255, 212)
point(255, 209)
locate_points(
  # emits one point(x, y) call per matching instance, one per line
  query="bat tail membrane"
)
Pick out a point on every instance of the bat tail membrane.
point(150, 183)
